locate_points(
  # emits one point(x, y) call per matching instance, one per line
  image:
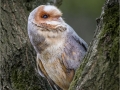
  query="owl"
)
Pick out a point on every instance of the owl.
point(59, 49)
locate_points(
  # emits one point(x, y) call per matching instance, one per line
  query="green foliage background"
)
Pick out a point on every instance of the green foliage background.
point(81, 15)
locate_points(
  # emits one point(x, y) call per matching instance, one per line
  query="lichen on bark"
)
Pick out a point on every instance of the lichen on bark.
point(99, 70)
point(17, 64)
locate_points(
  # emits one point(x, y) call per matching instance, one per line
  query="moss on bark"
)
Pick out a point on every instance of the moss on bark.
point(17, 64)
point(99, 70)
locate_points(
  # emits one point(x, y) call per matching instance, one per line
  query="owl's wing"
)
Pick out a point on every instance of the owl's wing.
point(74, 50)
point(78, 39)
point(43, 73)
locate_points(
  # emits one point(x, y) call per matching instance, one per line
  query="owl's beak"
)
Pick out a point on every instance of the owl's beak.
point(57, 19)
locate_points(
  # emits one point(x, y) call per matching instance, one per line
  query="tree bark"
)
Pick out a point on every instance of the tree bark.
point(17, 56)
point(99, 70)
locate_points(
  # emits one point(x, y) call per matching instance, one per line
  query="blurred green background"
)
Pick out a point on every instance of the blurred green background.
point(81, 16)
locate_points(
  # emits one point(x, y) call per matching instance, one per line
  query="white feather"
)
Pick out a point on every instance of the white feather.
point(48, 8)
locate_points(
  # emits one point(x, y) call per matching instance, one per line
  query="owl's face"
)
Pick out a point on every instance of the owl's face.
point(48, 16)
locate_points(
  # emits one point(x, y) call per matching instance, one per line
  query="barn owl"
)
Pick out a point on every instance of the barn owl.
point(59, 49)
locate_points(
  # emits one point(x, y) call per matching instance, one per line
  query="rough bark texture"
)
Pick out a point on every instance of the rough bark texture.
point(17, 57)
point(99, 71)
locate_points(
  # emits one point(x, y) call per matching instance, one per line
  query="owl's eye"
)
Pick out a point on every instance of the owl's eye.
point(45, 16)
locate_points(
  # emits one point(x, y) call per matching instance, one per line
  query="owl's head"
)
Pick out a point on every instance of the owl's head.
point(46, 16)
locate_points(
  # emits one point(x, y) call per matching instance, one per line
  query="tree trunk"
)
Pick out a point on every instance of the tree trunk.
point(17, 60)
point(99, 70)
